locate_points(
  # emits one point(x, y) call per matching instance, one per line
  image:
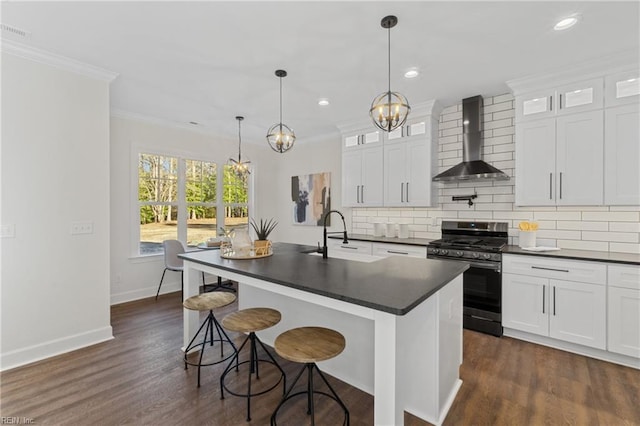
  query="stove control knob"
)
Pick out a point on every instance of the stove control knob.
point(459, 253)
point(435, 251)
point(486, 256)
point(475, 255)
point(444, 252)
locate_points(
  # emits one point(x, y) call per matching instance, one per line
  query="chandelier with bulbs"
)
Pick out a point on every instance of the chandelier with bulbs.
point(280, 136)
point(389, 110)
point(239, 167)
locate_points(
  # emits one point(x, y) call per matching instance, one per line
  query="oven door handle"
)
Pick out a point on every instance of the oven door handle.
point(494, 266)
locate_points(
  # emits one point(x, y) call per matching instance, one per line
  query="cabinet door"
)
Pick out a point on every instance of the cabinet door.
point(580, 97)
point(386, 250)
point(525, 303)
point(362, 247)
point(371, 193)
point(418, 186)
point(621, 155)
point(578, 313)
point(535, 163)
point(535, 105)
point(395, 166)
point(579, 161)
point(622, 88)
point(624, 321)
point(351, 178)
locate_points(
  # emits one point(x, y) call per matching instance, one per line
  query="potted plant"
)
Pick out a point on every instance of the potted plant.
point(263, 229)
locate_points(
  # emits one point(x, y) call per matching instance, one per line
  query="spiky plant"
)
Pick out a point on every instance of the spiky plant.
point(264, 228)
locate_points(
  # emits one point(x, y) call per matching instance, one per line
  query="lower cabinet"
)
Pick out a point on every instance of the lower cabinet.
point(383, 249)
point(534, 300)
point(362, 247)
point(623, 336)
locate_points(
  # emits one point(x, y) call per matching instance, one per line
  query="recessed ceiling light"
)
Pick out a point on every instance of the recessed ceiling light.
point(411, 73)
point(323, 101)
point(566, 23)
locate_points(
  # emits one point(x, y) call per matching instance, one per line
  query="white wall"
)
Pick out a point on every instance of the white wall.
point(134, 277)
point(55, 170)
point(304, 158)
point(600, 228)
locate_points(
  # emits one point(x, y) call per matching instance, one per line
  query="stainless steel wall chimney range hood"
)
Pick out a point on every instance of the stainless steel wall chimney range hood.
point(472, 167)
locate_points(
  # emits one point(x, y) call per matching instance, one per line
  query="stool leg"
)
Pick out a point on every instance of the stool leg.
point(228, 368)
point(284, 397)
point(221, 332)
point(204, 343)
point(310, 394)
point(189, 347)
point(284, 387)
point(344, 407)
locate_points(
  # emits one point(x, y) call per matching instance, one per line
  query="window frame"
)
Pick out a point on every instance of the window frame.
point(182, 156)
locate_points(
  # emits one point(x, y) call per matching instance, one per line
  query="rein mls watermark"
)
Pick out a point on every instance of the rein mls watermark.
point(15, 420)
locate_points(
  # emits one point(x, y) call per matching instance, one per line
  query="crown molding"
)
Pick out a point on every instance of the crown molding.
point(37, 55)
point(621, 61)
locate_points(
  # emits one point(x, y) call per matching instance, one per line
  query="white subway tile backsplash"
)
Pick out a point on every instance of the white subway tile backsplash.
point(612, 216)
point(602, 228)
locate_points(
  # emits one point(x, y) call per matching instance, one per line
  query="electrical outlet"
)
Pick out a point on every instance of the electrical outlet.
point(8, 231)
point(78, 228)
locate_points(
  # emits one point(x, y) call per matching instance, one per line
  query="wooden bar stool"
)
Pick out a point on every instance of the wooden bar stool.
point(250, 321)
point(208, 302)
point(309, 345)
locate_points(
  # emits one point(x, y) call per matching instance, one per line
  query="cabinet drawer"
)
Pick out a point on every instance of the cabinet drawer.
point(561, 269)
point(381, 249)
point(624, 276)
point(362, 247)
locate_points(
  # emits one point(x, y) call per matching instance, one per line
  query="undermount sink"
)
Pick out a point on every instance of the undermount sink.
point(357, 257)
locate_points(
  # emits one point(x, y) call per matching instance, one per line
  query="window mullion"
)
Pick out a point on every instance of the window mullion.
point(182, 200)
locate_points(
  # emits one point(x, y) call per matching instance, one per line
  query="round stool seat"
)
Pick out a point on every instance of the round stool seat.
point(309, 344)
point(209, 301)
point(251, 319)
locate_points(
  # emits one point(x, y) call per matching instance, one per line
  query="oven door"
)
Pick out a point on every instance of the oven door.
point(483, 287)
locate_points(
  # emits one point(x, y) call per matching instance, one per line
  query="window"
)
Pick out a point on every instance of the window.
point(184, 199)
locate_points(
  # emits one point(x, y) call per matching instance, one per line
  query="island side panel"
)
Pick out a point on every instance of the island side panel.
point(354, 365)
point(191, 287)
point(450, 344)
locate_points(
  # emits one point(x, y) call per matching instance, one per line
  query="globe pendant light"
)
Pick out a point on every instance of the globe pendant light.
point(279, 136)
point(239, 167)
point(389, 110)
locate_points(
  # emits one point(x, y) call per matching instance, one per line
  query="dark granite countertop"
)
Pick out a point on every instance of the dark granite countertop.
point(406, 241)
point(596, 256)
point(394, 284)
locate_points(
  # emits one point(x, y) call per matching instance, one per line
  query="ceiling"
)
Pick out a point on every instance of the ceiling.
point(207, 62)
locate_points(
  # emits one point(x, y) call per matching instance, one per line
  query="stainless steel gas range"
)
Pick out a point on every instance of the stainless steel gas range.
point(479, 244)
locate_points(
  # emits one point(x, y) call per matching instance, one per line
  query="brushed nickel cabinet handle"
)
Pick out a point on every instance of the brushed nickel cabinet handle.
point(543, 293)
point(549, 269)
point(550, 186)
point(554, 300)
point(561, 185)
point(402, 192)
point(407, 197)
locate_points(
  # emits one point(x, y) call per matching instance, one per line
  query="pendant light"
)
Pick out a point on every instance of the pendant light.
point(239, 167)
point(389, 110)
point(279, 136)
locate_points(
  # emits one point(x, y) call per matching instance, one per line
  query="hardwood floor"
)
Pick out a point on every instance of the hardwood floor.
point(139, 378)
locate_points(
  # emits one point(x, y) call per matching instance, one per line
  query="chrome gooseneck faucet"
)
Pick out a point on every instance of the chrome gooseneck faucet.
point(323, 249)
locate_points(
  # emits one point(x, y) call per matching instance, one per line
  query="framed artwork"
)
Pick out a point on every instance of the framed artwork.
point(311, 198)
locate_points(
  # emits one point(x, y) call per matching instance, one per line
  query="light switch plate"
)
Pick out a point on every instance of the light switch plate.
point(78, 228)
point(8, 231)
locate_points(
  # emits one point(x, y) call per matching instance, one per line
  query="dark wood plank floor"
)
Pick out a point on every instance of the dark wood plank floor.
point(139, 378)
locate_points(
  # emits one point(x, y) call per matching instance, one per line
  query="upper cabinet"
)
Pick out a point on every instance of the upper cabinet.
point(391, 169)
point(362, 139)
point(622, 88)
point(578, 142)
point(567, 99)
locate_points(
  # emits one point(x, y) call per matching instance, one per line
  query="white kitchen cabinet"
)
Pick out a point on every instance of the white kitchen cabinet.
point(362, 139)
point(562, 299)
point(559, 160)
point(362, 177)
point(361, 247)
point(622, 88)
point(420, 127)
point(572, 98)
point(623, 334)
point(388, 249)
point(407, 181)
point(622, 155)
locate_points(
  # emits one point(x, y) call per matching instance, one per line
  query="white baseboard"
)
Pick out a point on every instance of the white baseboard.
point(142, 293)
point(55, 347)
point(574, 348)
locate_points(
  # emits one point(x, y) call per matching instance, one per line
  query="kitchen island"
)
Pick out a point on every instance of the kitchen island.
point(401, 317)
